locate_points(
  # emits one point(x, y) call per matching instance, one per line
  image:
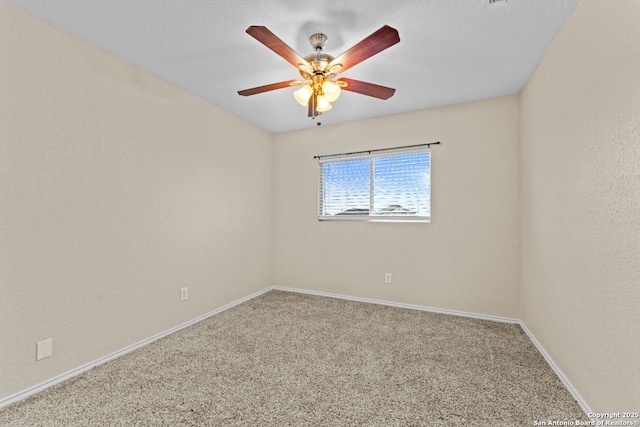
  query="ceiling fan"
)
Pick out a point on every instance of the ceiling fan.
point(321, 85)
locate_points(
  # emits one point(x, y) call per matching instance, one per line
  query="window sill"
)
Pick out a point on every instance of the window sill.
point(372, 218)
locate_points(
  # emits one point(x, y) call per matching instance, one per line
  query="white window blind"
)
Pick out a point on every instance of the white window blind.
point(381, 185)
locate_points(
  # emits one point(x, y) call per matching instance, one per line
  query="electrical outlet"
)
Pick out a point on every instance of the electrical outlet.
point(44, 349)
point(184, 293)
point(387, 278)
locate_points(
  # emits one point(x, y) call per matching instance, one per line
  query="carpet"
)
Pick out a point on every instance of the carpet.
point(292, 359)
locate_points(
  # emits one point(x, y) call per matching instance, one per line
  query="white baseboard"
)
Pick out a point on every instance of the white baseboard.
point(79, 370)
point(558, 372)
point(402, 305)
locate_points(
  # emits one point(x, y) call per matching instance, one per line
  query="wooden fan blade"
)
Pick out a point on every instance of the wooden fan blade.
point(369, 89)
point(380, 40)
point(267, 88)
point(273, 42)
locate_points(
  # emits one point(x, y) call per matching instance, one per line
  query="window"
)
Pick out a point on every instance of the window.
point(380, 185)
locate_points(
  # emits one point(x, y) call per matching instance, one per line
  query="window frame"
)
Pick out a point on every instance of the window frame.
point(372, 155)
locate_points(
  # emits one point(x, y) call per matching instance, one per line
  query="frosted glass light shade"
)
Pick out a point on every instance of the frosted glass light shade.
point(303, 94)
point(323, 104)
point(331, 90)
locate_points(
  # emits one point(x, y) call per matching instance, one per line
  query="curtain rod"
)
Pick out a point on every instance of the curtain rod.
point(379, 149)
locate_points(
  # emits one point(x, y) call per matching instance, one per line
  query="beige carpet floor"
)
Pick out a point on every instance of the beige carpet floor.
point(290, 359)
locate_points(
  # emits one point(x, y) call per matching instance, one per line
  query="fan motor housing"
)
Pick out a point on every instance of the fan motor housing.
point(319, 61)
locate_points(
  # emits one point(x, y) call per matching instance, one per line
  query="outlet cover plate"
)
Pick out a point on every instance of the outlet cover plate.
point(44, 349)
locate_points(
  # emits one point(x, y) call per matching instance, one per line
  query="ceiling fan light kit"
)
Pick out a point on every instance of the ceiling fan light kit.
point(321, 85)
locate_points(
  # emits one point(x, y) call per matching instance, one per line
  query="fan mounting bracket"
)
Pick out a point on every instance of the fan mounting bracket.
point(318, 40)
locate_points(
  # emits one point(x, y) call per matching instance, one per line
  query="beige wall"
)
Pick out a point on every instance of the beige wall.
point(116, 189)
point(580, 130)
point(466, 259)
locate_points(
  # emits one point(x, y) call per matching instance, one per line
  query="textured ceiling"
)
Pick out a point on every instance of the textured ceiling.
point(451, 51)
